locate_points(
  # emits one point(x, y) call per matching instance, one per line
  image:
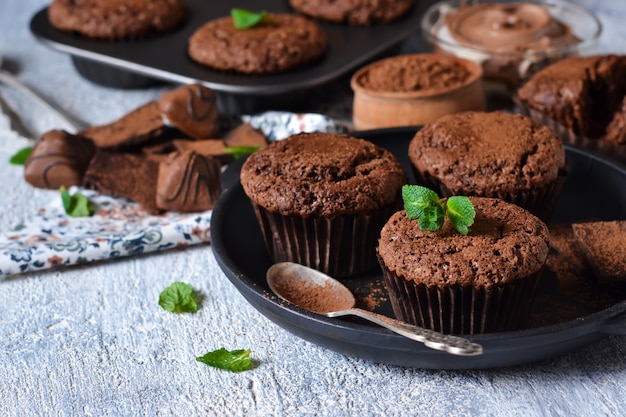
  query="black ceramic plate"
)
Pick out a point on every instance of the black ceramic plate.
point(165, 57)
point(594, 190)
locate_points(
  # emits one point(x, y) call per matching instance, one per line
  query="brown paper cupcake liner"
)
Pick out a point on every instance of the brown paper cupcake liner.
point(341, 246)
point(600, 146)
point(541, 201)
point(462, 310)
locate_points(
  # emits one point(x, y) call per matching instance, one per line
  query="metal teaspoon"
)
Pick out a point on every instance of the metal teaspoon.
point(317, 292)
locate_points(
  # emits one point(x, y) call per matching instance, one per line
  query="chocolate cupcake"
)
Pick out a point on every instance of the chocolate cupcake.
point(116, 19)
point(583, 100)
point(481, 282)
point(499, 155)
point(322, 198)
point(354, 12)
point(280, 43)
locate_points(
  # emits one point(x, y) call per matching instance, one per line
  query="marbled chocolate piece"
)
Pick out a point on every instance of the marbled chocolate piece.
point(57, 159)
point(192, 109)
point(134, 128)
point(188, 181)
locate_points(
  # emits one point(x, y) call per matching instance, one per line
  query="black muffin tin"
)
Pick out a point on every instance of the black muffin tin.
point(143, 62)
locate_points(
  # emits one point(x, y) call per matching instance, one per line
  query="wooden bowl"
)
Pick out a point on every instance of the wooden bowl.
point(373, 109)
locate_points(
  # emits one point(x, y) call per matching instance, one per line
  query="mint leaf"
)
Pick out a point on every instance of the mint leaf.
point(245, 19)
point(461, 213)
point(240, 151)
point(21, 156)
point(425, 205)
point(234, 360)
point(418, 202)
point(179, 298)
point(75, 205)
point(432, 218)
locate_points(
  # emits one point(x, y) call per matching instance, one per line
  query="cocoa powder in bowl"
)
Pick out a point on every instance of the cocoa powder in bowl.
point(411, 90)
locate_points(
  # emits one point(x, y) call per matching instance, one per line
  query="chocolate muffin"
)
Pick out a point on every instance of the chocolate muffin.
point(354, 12)
point(500, 155)
point(481, 282)
point(583, 100)
point(116, 19)
point(280, 43)
point(58, 158)
point(322, 198)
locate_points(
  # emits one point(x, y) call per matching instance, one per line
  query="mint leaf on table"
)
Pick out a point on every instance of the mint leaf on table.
point(20, 157)
point(179, 298)
point(425, 205)
point(461, 213)
point(246, 19)
point(75, 205)
point(240, 151)
point(234, 360)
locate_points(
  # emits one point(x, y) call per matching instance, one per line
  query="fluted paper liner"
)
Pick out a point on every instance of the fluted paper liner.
point(456, 309)
point(340, 246)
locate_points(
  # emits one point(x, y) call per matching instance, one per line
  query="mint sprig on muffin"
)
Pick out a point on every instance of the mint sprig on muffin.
point(424, 204)
point(246, 19)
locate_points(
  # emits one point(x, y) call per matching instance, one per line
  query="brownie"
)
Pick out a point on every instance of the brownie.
point(188, 181)
point(128, 175)
point(116, 19)
point(134, 128)
point(354, 12)
point(604, 244)
point(494, 154)
point(280, 43)
point(58, 158)
point(581, 93)
point(192, 109)
point(616, 129)
point(484, 281)
point(563, 240)
point(321, 199)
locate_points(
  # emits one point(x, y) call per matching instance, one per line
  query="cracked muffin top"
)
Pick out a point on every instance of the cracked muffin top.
point(117, 19)
point(504, 244)
point(479, 153)
point(322, 174)
point(283, 41)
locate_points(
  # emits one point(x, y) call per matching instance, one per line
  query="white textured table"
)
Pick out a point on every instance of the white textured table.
point(93, 341)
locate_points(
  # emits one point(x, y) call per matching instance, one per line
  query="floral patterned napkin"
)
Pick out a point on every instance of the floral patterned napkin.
point(49, 238)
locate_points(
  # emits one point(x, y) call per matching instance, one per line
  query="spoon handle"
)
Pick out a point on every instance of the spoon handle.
point(72, 125)
point(434, 340)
